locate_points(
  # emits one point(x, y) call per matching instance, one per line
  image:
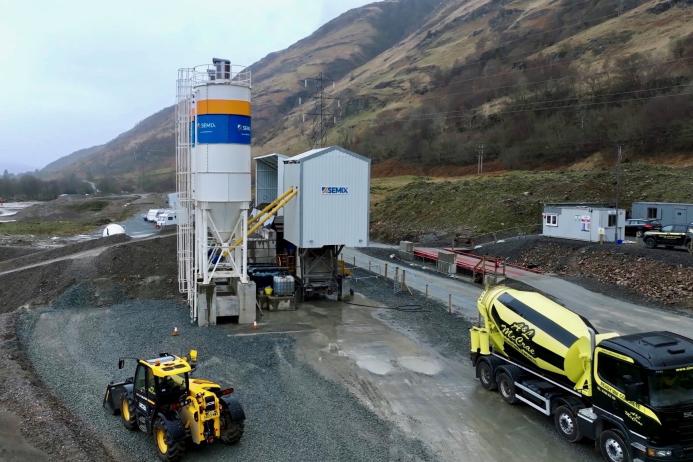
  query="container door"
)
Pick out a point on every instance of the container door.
point(680, 216)
point(611, 374)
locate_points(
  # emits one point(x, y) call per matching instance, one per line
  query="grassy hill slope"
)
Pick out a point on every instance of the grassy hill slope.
point(412, 207)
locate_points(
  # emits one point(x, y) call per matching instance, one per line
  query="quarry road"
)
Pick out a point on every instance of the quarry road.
point(606, 313)
point(441, 288)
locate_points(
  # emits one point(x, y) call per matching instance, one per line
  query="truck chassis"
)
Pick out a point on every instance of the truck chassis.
point(575, 417)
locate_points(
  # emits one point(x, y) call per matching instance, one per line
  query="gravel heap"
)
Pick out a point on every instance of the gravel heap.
point(668, 284)
point(661, 275)
point(293, 413)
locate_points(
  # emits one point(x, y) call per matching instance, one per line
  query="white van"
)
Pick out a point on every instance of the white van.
point(151, 215)
point(167, 218)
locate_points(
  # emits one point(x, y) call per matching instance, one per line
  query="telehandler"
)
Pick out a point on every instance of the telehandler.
point(165, 401)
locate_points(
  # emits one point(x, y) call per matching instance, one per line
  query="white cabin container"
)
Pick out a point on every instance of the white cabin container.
point(332, 206)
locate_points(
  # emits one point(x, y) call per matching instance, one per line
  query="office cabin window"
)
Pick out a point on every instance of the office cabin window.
point(651, 212)
point(551, 219)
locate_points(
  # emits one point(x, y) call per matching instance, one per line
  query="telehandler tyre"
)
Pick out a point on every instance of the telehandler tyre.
point(127, 413)
point(231, 432)
point(167, 447)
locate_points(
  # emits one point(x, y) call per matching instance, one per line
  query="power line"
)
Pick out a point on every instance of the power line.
point(320, 113)
point(455, 114)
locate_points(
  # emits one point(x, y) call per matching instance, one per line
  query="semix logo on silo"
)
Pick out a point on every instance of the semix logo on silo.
point(335, 190)
point(223, 129)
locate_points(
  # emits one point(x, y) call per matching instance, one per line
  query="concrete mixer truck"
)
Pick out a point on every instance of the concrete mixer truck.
point(631, 394)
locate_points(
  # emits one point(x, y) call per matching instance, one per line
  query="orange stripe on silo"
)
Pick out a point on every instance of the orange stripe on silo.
point(223, 106)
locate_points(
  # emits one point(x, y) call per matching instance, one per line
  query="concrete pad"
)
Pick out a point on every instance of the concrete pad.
point(405, 381)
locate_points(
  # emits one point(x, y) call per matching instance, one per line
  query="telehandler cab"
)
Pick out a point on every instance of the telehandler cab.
point(163, 400)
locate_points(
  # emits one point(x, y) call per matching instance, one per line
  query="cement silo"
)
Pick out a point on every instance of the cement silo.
point(213, 177)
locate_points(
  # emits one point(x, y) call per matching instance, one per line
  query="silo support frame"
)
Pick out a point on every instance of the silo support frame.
point(237, 257)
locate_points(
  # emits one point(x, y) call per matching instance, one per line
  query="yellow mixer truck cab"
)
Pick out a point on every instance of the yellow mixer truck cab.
point(631, 394)
point(165, 401)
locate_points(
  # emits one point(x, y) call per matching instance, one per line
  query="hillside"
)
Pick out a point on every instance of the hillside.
point(430, 83)
point(143, 157)
point(414, 208)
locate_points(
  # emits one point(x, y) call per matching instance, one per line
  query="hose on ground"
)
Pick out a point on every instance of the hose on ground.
point(409, 308)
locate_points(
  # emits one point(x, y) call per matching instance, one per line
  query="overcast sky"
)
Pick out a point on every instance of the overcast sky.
point(77, 73)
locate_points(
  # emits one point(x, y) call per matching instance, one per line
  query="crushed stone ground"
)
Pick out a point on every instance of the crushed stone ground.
point(293, 413)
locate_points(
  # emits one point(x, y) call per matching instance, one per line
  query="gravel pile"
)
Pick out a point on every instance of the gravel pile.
point(662, 276)
point(293, 413)
point(668, 284)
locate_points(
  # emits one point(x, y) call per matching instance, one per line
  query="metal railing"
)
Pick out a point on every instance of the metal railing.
point(396, 274)
point(205, 73)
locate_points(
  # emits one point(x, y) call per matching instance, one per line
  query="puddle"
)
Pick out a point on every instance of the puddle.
point(375, 365)
point(420, 365)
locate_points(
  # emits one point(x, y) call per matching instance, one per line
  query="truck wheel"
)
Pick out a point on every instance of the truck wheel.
point(167, 447)
point(506, 386)
point(127, 413)
point(566, 424)
point(484, 370)
point(650, 242)
point(613, 447)
point(231, 432)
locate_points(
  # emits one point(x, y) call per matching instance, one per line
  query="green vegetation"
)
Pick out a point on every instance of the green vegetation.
point(474, 205)
point(70, 217)
point(89, 206)
point(45, 228)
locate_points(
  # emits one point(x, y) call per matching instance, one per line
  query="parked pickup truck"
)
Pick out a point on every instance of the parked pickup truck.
point(669, 236)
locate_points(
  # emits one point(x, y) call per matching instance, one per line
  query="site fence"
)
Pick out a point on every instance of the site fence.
point(400, 277)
